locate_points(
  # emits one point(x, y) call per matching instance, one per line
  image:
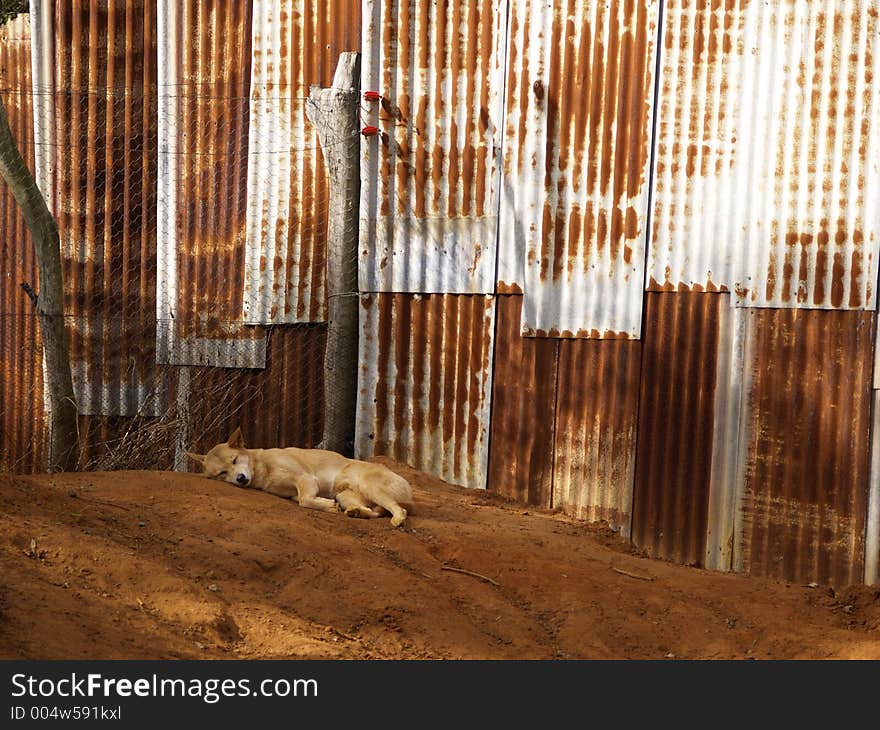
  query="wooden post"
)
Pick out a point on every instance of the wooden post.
point(334, 112)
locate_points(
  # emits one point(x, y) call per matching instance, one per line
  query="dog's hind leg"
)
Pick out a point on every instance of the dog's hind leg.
point(353, 504)
point(307, 494)
point(398, 513)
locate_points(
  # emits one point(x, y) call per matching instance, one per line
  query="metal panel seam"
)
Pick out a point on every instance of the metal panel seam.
point(648, 242)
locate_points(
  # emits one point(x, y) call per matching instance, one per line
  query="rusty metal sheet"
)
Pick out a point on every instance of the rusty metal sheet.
point(204, 60)
point(676, 424)
point(523, 409)
point(295, 44)
point(766, 173)
point(290, 383)
point(22, 417)
point(424, 382)
point(806, 438)
point(95, 79)
point(430, 190)
point(576, 164)
point(596, 425)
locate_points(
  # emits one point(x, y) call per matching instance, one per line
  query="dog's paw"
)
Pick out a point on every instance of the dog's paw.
point(398, 520)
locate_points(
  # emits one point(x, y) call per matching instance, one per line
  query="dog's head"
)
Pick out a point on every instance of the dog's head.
point(228, 462)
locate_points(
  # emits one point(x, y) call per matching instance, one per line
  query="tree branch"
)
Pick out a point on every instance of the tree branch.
point(28, 289)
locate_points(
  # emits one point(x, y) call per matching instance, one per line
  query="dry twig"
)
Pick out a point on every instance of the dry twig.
point(470, 572)
point(632, 575)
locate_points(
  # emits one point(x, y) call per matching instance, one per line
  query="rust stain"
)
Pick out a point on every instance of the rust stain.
point(838, 272)
point(504, 287)
point(666, 285)
point(691, 167)
point(631, 230)
point(827, 255)
point(770, 291)
point(581, 334)
point(856, 272)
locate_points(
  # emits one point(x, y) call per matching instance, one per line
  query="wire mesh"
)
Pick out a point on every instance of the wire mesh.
point(165, 239)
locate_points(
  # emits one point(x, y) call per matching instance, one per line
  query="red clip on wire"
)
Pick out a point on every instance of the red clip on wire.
point(372, 95)
point(370, 131)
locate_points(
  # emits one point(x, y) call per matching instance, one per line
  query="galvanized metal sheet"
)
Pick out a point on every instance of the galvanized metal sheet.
point(430, 183)
point(725, 496)
point(523, 409)
point(767, 177)
point(204, 83)
point(805, 445)
point(596, 424)
point(574, 206)
point(676, 424)
point(424, 382)
point(22, 422)
point(295, 44)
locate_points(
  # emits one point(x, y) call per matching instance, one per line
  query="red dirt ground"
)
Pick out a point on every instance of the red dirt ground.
point(145, 565)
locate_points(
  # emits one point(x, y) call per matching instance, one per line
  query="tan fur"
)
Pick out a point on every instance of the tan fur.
point(317, 479)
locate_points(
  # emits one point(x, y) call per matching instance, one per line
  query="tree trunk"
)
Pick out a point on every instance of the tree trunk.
point(334, 112)
point(48, 302)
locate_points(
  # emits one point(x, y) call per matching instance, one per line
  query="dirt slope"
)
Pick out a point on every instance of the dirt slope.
point(162, 565)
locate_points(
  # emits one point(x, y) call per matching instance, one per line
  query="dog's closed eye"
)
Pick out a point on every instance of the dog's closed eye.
point(234, 460)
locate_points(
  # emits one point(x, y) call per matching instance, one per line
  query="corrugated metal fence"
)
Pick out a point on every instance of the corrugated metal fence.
point(617, 257)
point(663, 172)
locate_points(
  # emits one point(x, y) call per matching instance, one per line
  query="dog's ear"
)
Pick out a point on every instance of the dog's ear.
point(236, 441)
point(196, 457)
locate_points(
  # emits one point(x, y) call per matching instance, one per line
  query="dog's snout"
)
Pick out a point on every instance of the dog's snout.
point(242, 479)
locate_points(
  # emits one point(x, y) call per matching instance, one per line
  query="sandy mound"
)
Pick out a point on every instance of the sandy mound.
point(141, 565)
